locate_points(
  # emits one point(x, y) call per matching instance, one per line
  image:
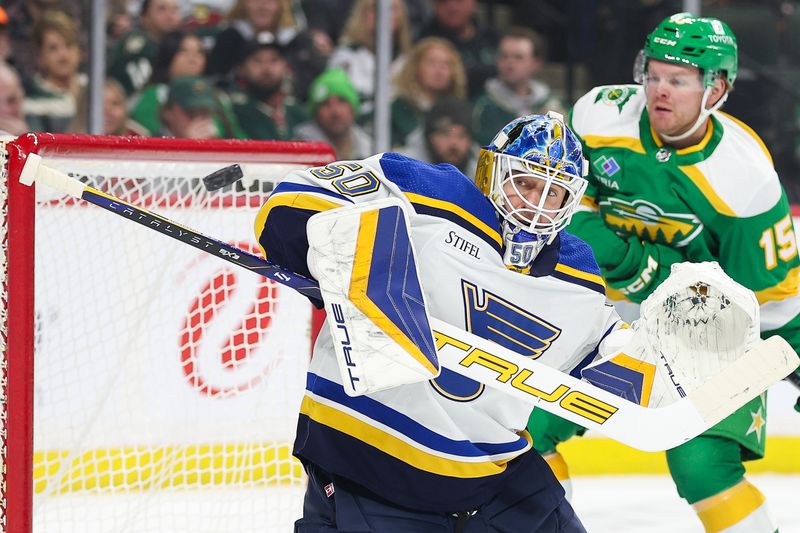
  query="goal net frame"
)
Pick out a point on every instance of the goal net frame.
point(18, 204)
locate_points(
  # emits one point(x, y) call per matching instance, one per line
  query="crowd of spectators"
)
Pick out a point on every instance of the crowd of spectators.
point(304, 69)
point(273, 69)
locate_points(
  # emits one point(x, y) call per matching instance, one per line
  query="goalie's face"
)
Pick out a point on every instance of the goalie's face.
point(531, 196)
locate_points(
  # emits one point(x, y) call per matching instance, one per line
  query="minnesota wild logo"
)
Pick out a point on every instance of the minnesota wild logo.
point(649, 222)
point(135, 44)
point(618, 95)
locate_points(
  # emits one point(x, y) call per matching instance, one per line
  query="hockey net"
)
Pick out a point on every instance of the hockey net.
point(147, 386)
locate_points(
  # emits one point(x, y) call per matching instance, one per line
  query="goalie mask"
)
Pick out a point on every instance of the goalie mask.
point(532, 173)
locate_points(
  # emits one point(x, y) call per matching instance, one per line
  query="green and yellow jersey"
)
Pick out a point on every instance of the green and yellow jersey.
point(719, 200)
point(649, 205)
point(131, 60)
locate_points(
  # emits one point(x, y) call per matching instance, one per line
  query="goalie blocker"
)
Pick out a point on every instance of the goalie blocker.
point(364, 262)
point(640, 425)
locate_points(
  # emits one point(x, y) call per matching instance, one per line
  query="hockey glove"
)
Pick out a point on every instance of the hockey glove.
point(696, 324)
point(643, 267)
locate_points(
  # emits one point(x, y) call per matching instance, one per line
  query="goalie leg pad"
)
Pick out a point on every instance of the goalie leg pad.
point(363, 258)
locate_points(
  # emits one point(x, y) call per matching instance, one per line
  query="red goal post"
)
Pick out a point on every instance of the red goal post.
point(146, 386)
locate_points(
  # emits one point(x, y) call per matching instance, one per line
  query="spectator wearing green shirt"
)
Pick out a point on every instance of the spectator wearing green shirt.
point(180, 54)
point(333, 104)
point(516, 91)
point(433, 70)
point(131, 60)
point(263, 106)
point(189, 109)
point(249, 20)
point(445, 137)
point(355, 52)
point(55, 91)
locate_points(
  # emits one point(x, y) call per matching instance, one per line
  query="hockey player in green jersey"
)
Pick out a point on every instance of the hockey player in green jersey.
point(672, 178)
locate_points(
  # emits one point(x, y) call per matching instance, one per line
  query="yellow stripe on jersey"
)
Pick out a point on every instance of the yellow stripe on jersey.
point(753, 134)
point(598, 141)
point(785, 289)
point(590, 202)
point(616, 295)
point(580, 274)
point(297, 200)
point(458, 211)
point(647, 370)
point(359, 282)
point(708, 191)
point(397, 448)
point(655, 137)
point(729, 507)
point(558, 465)
point(699, 147)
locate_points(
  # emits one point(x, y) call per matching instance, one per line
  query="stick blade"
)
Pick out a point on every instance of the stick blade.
point(222, 177)
point(765, 364)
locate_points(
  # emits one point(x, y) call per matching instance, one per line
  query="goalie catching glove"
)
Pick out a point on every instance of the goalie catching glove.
point(695, 324)
point(364, 262)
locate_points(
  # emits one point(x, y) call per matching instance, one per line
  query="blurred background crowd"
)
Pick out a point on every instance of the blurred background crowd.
point(305, 69)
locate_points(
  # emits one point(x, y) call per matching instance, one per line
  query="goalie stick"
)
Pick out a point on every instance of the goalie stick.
point(648, 429)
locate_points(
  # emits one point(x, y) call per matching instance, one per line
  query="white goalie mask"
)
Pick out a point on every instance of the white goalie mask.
point(533, 174)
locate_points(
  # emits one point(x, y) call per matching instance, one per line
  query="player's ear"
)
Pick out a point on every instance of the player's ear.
point(718, 90)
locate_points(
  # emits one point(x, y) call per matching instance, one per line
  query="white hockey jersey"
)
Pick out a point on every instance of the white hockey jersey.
point(451, 443)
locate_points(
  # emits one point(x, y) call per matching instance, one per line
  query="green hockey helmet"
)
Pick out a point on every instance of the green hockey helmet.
point(705, 43)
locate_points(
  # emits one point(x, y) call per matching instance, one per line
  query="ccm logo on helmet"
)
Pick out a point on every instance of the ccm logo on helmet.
point(667, 42)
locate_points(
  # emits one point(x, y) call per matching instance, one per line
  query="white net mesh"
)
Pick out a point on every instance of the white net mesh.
point(167, 381)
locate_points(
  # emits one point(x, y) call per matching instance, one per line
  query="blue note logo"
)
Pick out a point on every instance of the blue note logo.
point(496, 319)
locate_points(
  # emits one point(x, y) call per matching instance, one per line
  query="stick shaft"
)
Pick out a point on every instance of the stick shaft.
point(217, 248)
point(794, 379)
point(35, 171)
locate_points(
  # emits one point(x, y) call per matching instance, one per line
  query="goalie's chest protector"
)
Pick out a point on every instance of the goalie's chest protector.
point(453, 438)
point(556, 318)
